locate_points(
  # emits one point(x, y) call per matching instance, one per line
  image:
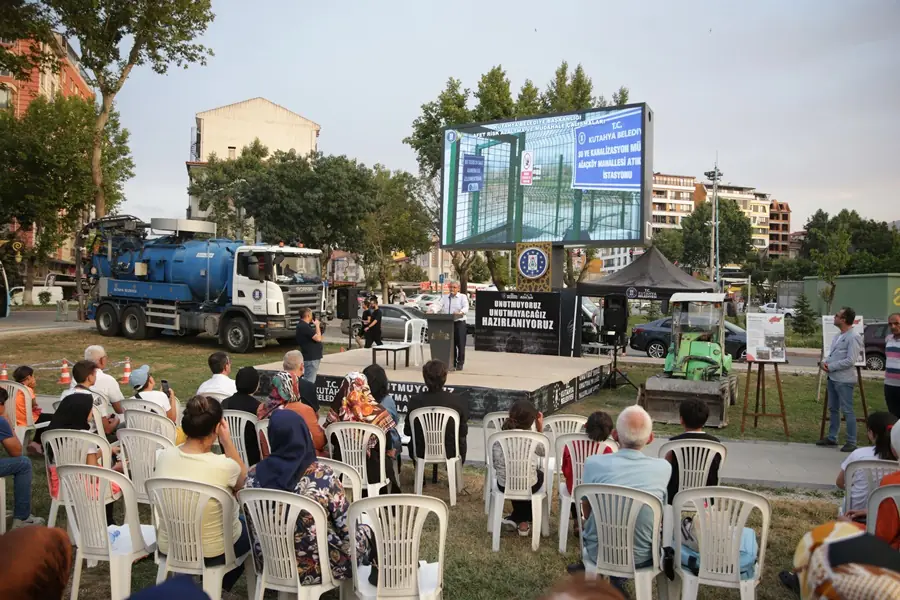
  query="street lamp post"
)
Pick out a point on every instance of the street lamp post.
point(714, 267)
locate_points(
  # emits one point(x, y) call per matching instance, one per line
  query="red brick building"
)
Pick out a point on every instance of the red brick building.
point(779, 229)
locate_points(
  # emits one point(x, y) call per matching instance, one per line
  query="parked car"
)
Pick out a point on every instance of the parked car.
point(873, 340)
point(655, 337)
point(425, 301)
point(17, 294)
point(772, 307)
point(393, 321)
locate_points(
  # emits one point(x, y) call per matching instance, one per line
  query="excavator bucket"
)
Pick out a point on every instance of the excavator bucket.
point(661, 396)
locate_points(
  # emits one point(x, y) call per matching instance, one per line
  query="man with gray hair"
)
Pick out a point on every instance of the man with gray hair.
point(106, 384)
point(293, 364)
point(628, 467)
point(892, 365)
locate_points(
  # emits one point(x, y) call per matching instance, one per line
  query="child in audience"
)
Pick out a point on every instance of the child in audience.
point(25, 375)
point(694, 414)
point(878, 428)
point(598, 427)
point(522, 416)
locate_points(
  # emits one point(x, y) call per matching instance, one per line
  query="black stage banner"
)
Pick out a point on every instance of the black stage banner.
point(519, 322)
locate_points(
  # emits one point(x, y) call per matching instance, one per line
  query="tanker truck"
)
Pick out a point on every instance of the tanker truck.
point(175, 277)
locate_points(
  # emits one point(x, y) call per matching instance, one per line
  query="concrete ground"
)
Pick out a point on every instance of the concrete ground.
point(39, 321)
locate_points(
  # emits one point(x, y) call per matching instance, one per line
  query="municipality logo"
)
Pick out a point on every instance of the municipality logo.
point(533, 263)
point(452, 136)
point(257, 295)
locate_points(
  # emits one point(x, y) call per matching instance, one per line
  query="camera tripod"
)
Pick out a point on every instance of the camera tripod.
point(612, 380)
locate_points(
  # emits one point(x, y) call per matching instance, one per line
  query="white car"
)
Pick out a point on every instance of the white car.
point(426, 301)
point(773, 308)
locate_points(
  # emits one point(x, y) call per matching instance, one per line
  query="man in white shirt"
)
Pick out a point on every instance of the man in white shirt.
point(457, 304)
point(105, 384)
point(220, 383)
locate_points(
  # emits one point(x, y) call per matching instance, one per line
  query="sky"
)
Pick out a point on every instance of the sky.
point(796, 98)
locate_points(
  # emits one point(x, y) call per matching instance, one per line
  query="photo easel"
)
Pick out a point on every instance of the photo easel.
point(761, 392)
point(862, 393)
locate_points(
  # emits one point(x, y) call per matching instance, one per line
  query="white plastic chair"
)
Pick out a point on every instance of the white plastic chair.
point(878, 496)
point(580, 447)
point(433, 421)
point(178, 505)
point(695, 460)
point(12, 388)
point(273, 516)
point(353, 441)
point(721, 515)
point(561, 424)
point(347, 474)
point(414, 334)
point(397, 522)
point(144, 405)
point(614, 511)
point(518, 449)
point(87, 488)
point(147, 421)
point(237, 421)
point(873, 470)
point(141, 449)
point(262, 428)
point(218, 396)
point(495, 421)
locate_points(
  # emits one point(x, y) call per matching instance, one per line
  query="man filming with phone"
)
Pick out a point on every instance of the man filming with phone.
point(143, 384)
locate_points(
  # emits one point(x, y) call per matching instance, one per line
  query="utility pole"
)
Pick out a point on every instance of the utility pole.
point(714, 176)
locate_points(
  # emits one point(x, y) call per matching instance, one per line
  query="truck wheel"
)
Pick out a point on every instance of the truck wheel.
point(107, 321)
point(134, 323)
point(236, 335)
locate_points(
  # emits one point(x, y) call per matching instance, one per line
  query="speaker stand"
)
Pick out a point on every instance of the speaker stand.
point(612, 380)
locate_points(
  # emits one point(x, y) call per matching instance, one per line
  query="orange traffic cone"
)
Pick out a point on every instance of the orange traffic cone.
point(64, 377)
point(3, 375)
point(127, 374)
point(342, 350)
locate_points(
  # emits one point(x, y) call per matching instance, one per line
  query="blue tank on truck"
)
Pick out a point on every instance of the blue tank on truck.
point(181, 284)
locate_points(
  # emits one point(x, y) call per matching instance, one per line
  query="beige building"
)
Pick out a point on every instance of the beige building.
point(753, 204)
point(673, 199)
point(224, 131)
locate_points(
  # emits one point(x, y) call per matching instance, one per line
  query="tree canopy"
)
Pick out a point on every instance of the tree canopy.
point(734, 234)
point(31, 22)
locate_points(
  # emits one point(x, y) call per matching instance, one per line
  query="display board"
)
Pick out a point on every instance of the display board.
point(533, 268)
point(829, 332)
point(582, 179)
point(765, 338)
point(524, 323)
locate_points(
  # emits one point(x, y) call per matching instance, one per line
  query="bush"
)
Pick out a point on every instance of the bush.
point(44, 298)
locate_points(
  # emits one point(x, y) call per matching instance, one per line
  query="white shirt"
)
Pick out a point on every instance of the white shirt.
point(99, 401)
point(859, 487)
point(455, 304)
point(156, 397)
point(218, 384)
point(107, 385)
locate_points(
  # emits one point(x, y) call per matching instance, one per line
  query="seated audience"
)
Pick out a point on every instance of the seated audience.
point(144, 385)
point(19, 467)
point(294, 364)
point(220, 383)
point(105, 383)
point(36, 565)
point(194, 460)
point(694, 414)
point(25, 376)
point(598, 427)
point(628, 467)
point(84, 375)
point(522, 415)
point(292, 467)
point(878, 427)
point(378, 385)
point(354, 403)
point(247, 382)
point(887, 525)
point(434, 373)
point(285, 394)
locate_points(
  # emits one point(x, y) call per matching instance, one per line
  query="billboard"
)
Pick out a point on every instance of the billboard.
point(578, 179)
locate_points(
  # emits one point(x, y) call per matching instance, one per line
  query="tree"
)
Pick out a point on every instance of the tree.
point(804, 320)
point(46, 183)
point(410, 271)
point(115, 36)
point(734, 234)
point(494, 97)
point(32, 23)
point(529, 101)
point(832, 262)
point(671, 243)
point(478, 271)
point(426, 139)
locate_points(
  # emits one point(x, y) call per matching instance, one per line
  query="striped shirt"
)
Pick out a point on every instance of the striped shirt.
point(892, 362)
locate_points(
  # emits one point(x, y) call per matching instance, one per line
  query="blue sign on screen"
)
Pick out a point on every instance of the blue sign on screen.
point(472, 173)
point(608, 154)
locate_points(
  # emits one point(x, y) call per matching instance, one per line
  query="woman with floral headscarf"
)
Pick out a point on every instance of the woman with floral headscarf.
point(354, 403)
point(285, 395)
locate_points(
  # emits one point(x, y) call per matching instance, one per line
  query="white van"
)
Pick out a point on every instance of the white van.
point(17, 294)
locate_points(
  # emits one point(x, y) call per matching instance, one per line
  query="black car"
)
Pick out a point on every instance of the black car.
point(874, 341)
point(655, 337)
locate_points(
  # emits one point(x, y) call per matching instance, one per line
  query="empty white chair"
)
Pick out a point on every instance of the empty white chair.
point(347, 474)
point(353, 442)
point(555, 425)
point(491, 423)
point(433, 421)
point(237, 420)
point(872, 470)
point(580, 447)
point(148, 421)
point(721, 515)
point(86, 489)
point(178, 506)
point(141, 449)
point(144, 405)
point(12, 388)
point(519, 453)
point(876, 498)
point(273, 516)
point(397, 521)
point(614, 511)
point(414, 334)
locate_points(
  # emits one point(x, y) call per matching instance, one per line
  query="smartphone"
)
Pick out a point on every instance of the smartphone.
point(165, 387)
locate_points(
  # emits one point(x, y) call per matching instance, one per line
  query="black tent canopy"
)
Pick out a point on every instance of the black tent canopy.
point(650, 277)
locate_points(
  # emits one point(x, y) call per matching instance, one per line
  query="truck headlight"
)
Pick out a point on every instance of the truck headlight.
point(276, 324)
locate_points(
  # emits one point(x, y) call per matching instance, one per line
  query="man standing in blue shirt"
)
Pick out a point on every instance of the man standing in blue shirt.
point(628, 467)
point(19, 467)
point(840, 366)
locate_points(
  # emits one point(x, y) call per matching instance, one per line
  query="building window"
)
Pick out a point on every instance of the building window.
point(6, 98)
point(232, 151)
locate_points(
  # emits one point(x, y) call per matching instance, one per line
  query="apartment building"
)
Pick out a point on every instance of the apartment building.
point(779, 229)
point(755, 205)
point(226, 130)
point(673, 199)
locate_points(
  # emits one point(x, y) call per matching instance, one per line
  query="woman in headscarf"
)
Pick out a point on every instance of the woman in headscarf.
point(292, 467)
point(36, 563)
point(285, 395)
point(354, 403)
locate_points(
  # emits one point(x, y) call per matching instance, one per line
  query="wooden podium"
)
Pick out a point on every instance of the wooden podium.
point(441, 338)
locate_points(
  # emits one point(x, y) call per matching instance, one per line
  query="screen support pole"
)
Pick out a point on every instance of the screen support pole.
point(557, 267)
